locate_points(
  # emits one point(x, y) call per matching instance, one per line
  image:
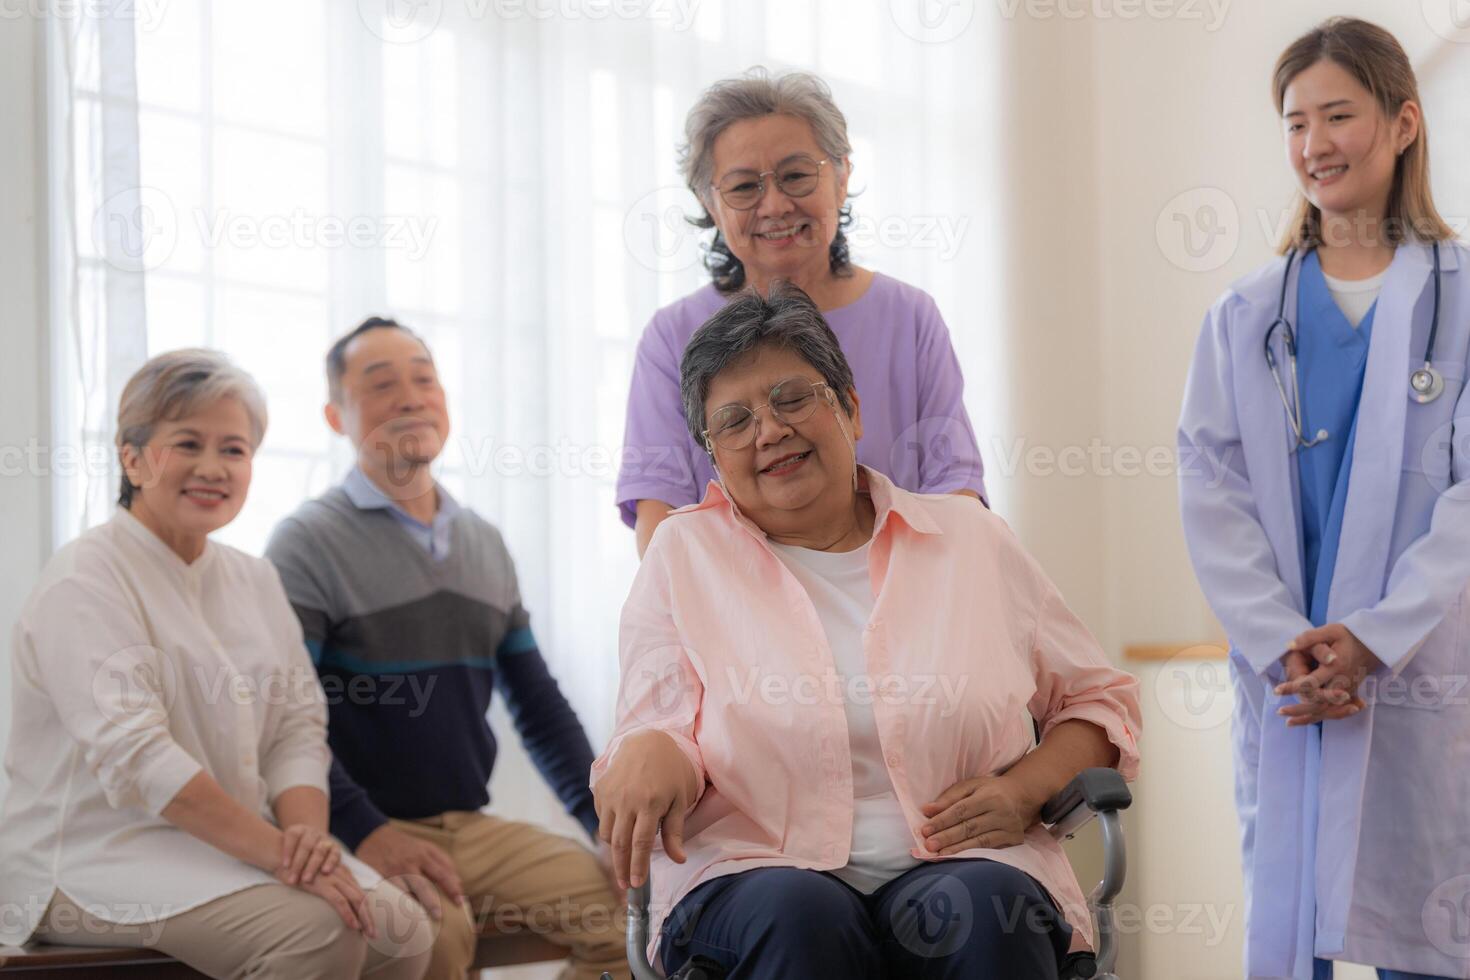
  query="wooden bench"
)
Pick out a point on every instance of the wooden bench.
point(43, 961)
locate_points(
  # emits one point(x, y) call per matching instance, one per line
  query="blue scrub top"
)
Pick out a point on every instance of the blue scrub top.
point(1332, 356)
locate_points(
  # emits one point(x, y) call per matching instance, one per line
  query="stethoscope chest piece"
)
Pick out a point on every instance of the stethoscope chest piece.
point(1426, 384)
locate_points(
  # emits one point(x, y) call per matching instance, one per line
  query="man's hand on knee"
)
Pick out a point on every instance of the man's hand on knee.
point(416, 864)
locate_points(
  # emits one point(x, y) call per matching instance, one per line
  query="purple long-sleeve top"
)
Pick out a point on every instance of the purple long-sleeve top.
point(915, 428)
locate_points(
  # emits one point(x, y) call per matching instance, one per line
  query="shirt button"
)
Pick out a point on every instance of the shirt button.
point(893, 759)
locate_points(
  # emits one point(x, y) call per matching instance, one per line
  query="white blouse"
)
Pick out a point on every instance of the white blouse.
point(132, 671)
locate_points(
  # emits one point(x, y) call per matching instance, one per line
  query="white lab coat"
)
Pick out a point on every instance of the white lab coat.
point(1356, 838)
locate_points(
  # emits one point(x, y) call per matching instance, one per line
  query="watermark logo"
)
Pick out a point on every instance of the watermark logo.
point(932, 21)
point(657, 232)
point(1445, 916)
point(135, 687)
point(1193, 689)
point(1441, 447)
point(1450, 19)
point(136, 229)
point(933, 445)
point(1199, 229)
point(932, 916)
point(400, 21)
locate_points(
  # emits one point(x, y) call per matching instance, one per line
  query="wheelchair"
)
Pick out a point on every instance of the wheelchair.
point(1094, 793)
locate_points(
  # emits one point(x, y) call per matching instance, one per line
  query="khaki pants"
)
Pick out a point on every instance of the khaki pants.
point(266, 931)
point(520, 877)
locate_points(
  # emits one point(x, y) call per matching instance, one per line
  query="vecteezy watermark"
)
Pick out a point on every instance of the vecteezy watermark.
point(940, 233)
point(136, 687)
point(404, 929)
point(1450, 19)
point(144, 14)
point(1198, 230)
point(1445, 916)
point(932, 915)
point(1441, 446)
point(932, 21)
point(138, 229)
point(1099, 458)
point(410, 21)
point(657, 231)
point(61, 920)
point(1193, 688)
point(942, 690)
point(562, 917)
point(1211, 13)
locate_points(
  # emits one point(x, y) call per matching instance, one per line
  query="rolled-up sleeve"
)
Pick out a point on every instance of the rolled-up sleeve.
point(296, 752)
point(91, 655)
point(660, 688)
point(1075, 681)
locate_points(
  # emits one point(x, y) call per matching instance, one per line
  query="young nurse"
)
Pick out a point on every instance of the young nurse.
point(1330, 531)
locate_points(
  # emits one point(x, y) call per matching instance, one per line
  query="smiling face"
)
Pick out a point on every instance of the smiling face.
point(192, 475)
point(391, 404)
point(1340, 145)
point(782, 237)
point(791, 473)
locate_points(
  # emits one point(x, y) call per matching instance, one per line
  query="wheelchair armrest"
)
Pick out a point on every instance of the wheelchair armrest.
point(1091, 791)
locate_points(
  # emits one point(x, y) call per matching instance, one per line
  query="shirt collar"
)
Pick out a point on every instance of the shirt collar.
point(156, 546)
point(889, 499)
point(366, 495)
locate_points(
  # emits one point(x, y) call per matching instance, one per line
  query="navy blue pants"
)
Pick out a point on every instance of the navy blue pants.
point(947, 919)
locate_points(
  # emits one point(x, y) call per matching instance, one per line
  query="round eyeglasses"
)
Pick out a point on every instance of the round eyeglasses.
point(734, 427)
point(796, 177)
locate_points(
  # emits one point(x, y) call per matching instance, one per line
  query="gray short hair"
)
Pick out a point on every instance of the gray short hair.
point(785, 318)
point(749, 96)
point(175, 385)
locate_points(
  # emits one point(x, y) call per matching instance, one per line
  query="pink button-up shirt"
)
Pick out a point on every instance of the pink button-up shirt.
point(968, 641)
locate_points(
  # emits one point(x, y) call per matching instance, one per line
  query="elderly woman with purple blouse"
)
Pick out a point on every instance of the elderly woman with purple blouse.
point(768, 157)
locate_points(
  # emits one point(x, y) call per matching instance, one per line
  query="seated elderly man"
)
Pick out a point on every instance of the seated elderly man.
point(828, 687)
point(168, 752)
point(413, 614)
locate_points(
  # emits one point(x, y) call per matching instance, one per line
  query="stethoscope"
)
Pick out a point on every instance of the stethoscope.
point(1425, 384)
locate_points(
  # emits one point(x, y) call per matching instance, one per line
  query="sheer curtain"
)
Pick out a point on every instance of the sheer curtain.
point(258, 176)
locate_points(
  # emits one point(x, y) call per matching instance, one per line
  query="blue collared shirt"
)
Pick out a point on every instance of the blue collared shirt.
point(432, 537)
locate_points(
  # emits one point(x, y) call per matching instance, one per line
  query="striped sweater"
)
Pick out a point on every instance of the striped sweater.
point(408, 650)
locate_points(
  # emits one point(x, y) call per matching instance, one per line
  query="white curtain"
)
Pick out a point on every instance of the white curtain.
point(502, 177)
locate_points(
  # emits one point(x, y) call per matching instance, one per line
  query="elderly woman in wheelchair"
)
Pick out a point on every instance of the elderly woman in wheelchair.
point(825, 749)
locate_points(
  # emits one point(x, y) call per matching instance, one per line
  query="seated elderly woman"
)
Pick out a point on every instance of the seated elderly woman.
point(168, 755)
point(828, 692)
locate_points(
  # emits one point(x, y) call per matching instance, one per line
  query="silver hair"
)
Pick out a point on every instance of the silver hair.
point(786, 318)
point(175, 385)
point(748, 96)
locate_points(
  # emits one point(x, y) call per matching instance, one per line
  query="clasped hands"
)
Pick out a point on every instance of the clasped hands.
point(1324, 668)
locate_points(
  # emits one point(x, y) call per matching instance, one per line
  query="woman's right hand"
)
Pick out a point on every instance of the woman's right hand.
point(339, 889)
point(648, 781)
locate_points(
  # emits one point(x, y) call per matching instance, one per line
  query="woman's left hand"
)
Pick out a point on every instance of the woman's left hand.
point(305, 853)
point(1329, 690)
point(988, 811)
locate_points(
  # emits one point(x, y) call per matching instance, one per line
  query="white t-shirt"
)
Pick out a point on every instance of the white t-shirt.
point(842, 593)
point(1355, 297)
